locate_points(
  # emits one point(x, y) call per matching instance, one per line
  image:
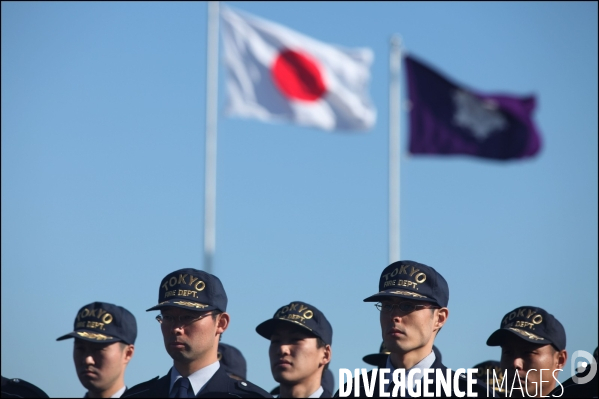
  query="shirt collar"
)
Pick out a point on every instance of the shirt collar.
point(117, 394)
point(317, 393)
point(198, 379)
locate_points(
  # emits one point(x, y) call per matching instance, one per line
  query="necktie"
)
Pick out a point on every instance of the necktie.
point(181, 388)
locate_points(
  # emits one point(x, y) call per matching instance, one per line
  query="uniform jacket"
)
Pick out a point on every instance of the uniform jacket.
point(326, 394)
point(574, 390)
point(432, 387)
point(219, 386)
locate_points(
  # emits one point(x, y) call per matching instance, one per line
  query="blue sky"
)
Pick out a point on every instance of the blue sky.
point(103, 115)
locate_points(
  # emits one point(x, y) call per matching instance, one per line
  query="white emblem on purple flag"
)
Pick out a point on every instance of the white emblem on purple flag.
point(480, 117)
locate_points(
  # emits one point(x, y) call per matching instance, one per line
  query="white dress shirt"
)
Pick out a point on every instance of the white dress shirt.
point(318, 392)
point(197, 380)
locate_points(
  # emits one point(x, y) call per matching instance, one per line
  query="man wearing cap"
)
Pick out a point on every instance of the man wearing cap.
point(412, 301)
point(300, 349)
point(192, 319)
point(231, 359)
point(104, 344)
point(533, 349)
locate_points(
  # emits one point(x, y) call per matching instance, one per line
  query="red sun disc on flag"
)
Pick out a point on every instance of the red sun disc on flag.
point(298, 76)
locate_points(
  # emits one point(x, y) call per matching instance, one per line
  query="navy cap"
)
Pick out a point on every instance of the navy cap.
point(303, 315)
point(232, 359)
point(412, 280)
point(376, 359)
point(191, 289)
point(104, 322)
point(532, 324)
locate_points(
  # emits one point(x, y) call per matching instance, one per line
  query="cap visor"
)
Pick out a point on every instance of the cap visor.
point(91, 336)
point(266, 328)
point(497, 338)
point(395, 293)
point(376, 359)
point(177, 303)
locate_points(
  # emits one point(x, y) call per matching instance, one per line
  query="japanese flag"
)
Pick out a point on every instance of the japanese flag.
point(276, 74)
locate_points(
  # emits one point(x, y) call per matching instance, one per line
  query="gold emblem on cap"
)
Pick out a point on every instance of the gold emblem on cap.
point(526, 334)
point(192, 304)
point(99, 337)
point(296, 322)
point(415, 295)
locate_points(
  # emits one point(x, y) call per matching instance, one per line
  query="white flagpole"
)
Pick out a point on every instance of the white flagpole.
point(394, 142)
point(211, 119)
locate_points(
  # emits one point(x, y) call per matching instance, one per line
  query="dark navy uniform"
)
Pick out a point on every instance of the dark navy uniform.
point(17, 388)
point(572, 389)
point(221, 385)
point(328, 384)
point(199, 293)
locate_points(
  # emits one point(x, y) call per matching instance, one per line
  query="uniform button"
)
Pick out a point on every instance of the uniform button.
point(244, 383)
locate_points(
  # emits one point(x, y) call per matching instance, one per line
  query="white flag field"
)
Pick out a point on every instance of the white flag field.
point(275, 74)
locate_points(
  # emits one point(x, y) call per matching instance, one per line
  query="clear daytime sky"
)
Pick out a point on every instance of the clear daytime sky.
point(103, 123)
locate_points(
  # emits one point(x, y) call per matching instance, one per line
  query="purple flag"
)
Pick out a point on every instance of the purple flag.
point(449, 119)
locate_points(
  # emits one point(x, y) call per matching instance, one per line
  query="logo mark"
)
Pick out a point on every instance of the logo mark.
point(581, 366)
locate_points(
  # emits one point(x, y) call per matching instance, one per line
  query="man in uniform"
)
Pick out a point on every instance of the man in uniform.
point(533, 349)
point(104, 344)
point(300, 349)
point(412, 301)
point(193, 317)
point(231, 359)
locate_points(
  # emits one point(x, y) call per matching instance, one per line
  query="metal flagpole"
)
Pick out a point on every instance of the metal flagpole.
point(394, 143)
point(211, 119)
